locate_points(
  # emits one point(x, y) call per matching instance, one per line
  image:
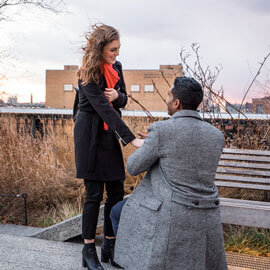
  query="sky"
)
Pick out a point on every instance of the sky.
point(231, 33)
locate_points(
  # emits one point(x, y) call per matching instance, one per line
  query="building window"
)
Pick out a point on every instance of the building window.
point(68, 87)
point(135, 88)
point(259, 108)
point(148, 88)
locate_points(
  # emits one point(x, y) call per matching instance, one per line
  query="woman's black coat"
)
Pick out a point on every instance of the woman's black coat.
point(98, 154)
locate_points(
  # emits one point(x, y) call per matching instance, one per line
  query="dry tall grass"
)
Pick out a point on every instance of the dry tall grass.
point(43, 168)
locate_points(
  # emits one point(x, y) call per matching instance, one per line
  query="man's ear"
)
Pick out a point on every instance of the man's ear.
point(178, 104)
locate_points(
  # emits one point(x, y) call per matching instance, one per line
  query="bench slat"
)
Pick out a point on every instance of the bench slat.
point(246, 158)
point(243, 171)
point(243, 165)
point(247, 203)
point(243, 212)
point(241, 185)
point(246, 152)
point(226, 177)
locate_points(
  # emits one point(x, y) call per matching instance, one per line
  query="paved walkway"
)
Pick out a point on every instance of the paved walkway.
point(20, 252)
point(23, 252)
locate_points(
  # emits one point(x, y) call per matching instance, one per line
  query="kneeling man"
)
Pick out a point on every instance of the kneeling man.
point(172, 219)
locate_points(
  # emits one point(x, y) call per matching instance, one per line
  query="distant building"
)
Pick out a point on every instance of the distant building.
point(145, 86)
point(60, 87)
point(234, 108)
point(261, 105)
point(13, 100)
point(248, 107)
point(150, 86)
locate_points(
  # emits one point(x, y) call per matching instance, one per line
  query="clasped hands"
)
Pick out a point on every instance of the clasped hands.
point(139, 142)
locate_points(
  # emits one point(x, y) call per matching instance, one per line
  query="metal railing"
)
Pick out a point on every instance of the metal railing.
point(21, 195)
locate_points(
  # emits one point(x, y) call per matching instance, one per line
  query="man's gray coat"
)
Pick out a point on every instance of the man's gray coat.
point(172, 219)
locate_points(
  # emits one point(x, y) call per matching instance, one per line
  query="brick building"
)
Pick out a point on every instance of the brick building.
point(60, 85)
point(261, 105)
point(146, 86)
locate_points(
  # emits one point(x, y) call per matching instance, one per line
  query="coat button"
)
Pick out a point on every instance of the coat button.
point(217, 202)
point(196, 202)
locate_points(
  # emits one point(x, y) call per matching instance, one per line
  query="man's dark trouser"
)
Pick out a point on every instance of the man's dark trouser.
point(115, 215)
point(94, 195)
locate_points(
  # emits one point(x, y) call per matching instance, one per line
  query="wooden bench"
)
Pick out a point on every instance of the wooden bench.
point(245, 169)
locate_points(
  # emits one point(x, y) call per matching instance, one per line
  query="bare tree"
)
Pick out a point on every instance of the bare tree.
point(10, 9)
point(249, 134)
point(6, 6)
point(213, 98)
point(241, 134)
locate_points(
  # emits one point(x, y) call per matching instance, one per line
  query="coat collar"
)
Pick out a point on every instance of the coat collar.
point(186, 113)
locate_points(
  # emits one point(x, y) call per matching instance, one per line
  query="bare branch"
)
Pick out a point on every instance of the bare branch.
point(255, 77)
point(248, 89)
point(207, 78)
point(162, 74)
point(149, 115)
point(158, 92)
point(50, 5)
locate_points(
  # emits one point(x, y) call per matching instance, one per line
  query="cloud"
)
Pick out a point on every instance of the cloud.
point(254, 6)
point(230, 32)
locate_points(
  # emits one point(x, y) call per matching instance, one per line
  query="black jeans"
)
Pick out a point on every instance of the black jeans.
point(94, 195)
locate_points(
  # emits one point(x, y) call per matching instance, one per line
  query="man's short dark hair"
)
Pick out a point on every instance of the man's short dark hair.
point(188, 91)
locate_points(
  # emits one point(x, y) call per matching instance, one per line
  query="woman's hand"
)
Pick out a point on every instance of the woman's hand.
point(111, 94)
point(137, 142)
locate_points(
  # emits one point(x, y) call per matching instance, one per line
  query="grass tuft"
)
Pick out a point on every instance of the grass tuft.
point(60, 213)
point(242, 239)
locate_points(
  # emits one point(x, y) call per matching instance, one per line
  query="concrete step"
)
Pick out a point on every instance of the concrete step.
point(19, 230)
point(67, 229)
point(20, 252)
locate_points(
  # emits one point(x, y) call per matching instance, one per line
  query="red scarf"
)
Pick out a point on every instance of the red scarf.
point(111, 77)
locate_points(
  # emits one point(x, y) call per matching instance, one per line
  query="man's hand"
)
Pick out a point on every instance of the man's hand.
point(142, 135)
point(137, 142)
point(111, 94)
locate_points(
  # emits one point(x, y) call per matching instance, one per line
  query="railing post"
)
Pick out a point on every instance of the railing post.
point(24, 196)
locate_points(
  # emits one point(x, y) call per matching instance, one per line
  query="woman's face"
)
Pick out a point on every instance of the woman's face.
point(111, 51)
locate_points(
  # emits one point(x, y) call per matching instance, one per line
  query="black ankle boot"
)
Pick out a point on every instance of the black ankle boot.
point(107, 252)
point(90, 258)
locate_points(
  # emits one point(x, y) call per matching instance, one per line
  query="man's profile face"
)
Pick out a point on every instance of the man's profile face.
point(171, 106)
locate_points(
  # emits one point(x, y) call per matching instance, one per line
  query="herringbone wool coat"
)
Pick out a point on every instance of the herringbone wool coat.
point(172, 219)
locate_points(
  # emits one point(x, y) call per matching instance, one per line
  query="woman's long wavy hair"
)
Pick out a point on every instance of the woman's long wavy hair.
point(100, 36)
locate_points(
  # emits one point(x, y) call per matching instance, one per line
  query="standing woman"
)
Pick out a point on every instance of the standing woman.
point(98, 127)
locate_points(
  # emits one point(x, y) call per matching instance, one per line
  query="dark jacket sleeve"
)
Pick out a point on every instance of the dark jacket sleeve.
point(107, 113)
point(121, 88)
point(76, 105)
